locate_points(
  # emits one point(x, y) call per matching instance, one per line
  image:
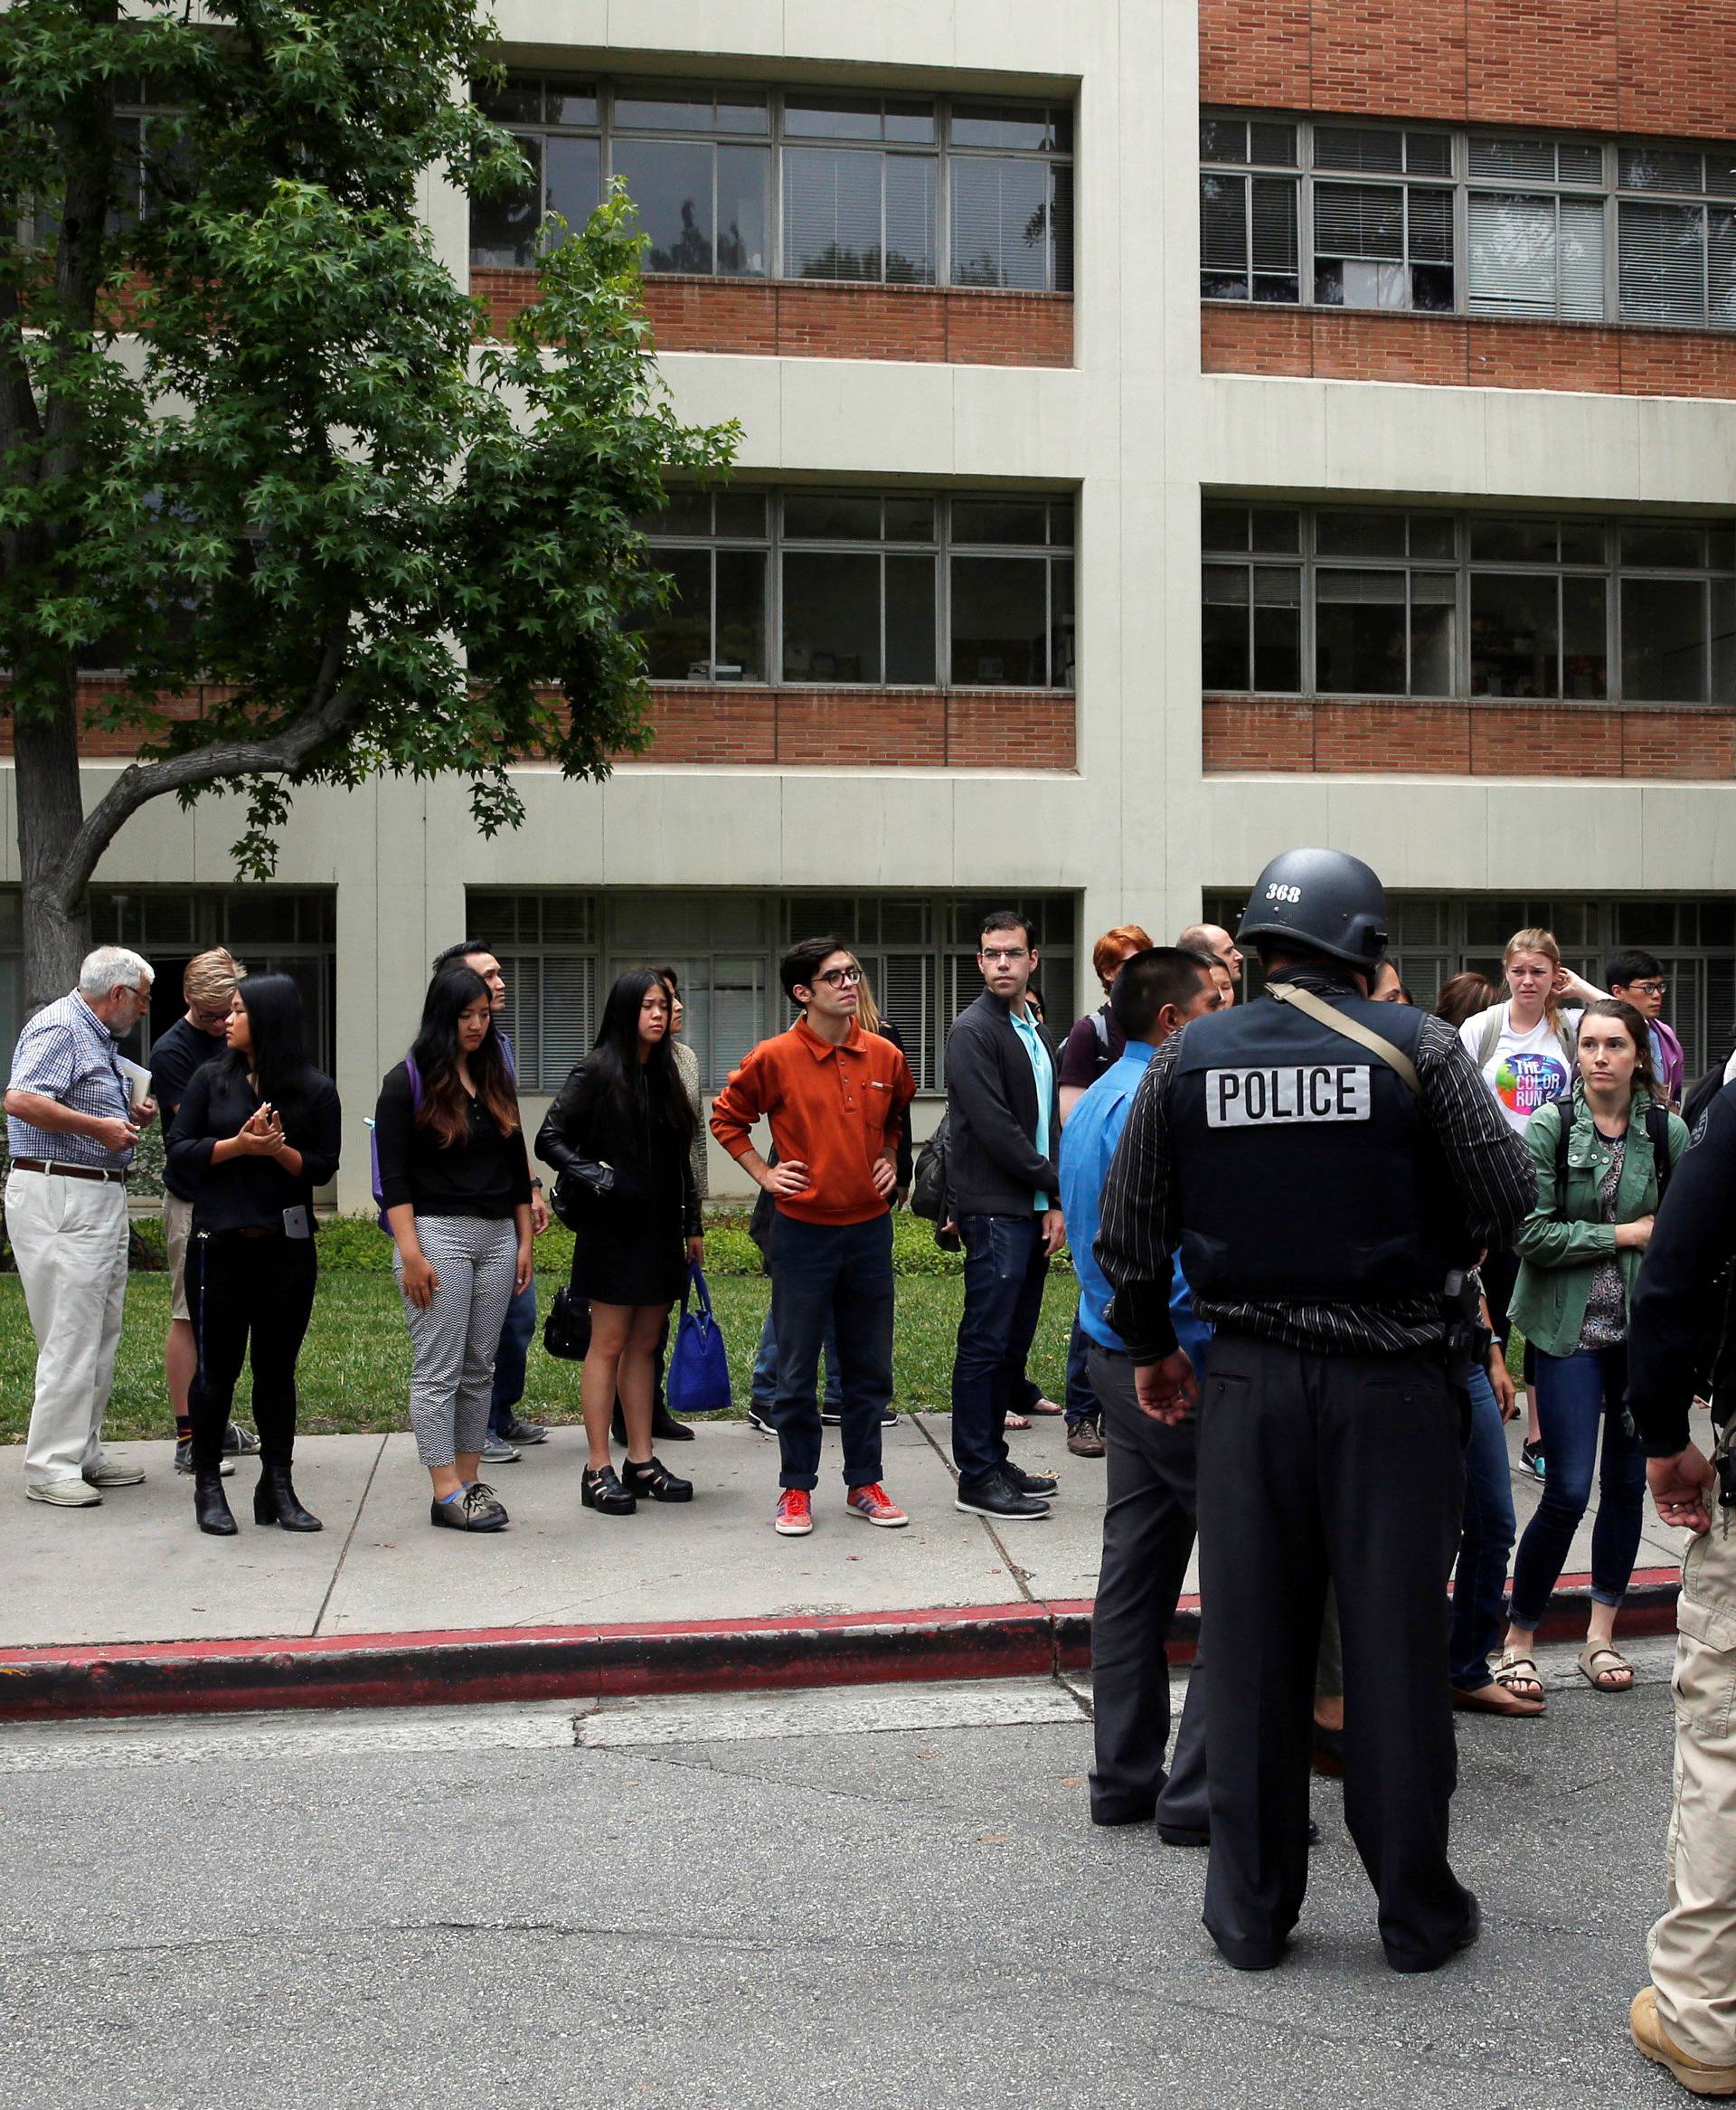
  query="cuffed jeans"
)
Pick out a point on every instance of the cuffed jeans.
point(1485, 1542)
point(840, 1275)
point(69, 1238)
point(1081, 1400)
point(510, 1357)
point(1005, 1267)
point(764, 1394)
point(1577, 1397)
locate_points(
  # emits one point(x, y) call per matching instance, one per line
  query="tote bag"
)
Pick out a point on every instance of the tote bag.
point(699, 1370)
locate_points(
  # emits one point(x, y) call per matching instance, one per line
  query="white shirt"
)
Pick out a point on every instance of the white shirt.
point(1524, 1070)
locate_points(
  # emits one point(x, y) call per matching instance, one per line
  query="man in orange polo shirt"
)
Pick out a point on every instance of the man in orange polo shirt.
point(834, 1096)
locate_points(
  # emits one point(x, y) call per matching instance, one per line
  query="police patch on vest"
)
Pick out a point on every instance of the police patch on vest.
point(1291, 1093)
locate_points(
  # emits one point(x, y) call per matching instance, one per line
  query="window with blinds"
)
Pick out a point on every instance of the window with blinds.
point(1351, 601)
point(736, 181)
point(1511, 224)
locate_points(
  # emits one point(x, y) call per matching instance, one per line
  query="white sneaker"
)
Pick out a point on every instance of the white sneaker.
point(112, 1472)
point(69, 1492)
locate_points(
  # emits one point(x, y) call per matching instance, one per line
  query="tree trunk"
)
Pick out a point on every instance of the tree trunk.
point(51, 811)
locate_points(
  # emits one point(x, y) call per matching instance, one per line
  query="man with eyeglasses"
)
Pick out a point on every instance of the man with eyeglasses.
point(1004, 1123)
point(835, 1097)
point(1637, 979)
point(71, 1128)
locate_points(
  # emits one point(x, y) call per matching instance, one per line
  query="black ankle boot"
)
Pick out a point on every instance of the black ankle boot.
point(275, 1501)
point(603, 1492)
point(210, 1508)
point(666, 1429)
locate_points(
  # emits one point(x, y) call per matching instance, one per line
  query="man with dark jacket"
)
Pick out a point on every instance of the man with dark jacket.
point(1004, 1115)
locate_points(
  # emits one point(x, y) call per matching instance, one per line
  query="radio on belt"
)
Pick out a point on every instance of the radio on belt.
point(1309, 1091)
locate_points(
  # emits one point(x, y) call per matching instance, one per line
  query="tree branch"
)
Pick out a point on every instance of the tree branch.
point(331, 711)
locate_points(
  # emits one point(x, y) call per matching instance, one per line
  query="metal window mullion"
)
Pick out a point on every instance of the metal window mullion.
point(1305, 221)
point(775, 591)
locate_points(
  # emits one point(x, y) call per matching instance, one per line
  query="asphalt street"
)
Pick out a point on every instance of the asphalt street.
point(869, 1898)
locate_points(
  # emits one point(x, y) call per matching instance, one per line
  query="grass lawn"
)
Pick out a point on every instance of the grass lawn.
point(355, 1370)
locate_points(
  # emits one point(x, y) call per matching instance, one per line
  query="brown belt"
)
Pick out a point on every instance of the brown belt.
point(59, 1171)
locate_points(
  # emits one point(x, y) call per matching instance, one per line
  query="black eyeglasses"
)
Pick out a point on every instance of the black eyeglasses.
point(834, 975)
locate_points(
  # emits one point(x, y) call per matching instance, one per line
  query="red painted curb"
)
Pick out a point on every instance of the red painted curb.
point(554, 1662)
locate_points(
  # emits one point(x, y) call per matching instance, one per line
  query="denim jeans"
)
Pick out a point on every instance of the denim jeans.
point(1480, 1579)
point(838, 1276)
point(510, 1357)
point(765, 1369)
point(1004, 1266)
point(1081, 1400)
point(1577, 1396)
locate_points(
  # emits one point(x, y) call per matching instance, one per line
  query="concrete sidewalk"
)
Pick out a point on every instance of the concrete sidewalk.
point(128, 1605)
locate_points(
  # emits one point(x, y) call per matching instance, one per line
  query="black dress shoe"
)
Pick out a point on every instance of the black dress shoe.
point(211, 1507)
point(1040, 1486)
point(654, 1480)
point(1123, 1812)
point(475, 1510)
point(999, 1499)
point(1401, 1961)
point(603, 1492)
point(275, 1501)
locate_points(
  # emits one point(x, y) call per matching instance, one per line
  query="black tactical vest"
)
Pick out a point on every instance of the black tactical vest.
point(1309, 1170)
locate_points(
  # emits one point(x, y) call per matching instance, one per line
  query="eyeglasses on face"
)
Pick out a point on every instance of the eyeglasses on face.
point(1651, 989)
point(1004, 955)
point(834, 975)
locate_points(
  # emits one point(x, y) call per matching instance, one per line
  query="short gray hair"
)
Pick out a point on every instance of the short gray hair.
point(110, 967)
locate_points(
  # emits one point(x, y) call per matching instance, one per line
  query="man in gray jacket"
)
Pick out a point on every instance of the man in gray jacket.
point(1004, 1119)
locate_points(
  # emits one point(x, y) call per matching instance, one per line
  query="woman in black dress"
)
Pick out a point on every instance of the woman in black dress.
point(621, 1136)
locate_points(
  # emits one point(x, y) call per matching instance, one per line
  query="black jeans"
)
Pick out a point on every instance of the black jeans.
point(1311, 1467)
point(1004, 1266)
point(243, 1289)
point(837, 1274)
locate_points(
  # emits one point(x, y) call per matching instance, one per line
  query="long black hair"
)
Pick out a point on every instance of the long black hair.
point(617, 1084)
point(454, 989)
point(278, 1055)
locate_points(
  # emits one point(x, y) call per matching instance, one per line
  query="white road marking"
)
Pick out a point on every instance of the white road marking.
point(994, 1703)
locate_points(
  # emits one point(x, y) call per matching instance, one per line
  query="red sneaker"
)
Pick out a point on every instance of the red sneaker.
point(794, 1517)
point(872, 1504)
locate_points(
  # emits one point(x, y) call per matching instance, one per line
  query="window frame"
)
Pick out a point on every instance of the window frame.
point(944, 151)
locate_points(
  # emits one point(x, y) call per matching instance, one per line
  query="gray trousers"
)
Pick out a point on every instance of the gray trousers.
point(452, 1344)
point(1147, 1537)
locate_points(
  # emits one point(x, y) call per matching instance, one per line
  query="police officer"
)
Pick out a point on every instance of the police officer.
point(1324, 1164)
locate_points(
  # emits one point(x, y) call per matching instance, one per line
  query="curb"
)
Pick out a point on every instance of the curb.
point(555, 1662)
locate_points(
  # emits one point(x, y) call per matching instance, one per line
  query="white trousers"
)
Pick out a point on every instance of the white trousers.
point(68, 1237)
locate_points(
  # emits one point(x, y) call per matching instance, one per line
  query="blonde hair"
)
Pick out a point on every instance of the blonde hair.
point(211, 977)
point(1537, 939)
point(867, 1010)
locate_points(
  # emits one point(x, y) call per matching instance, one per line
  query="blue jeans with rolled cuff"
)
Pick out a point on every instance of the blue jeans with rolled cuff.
point(1578, 1398)
point(1005, 1267)
point(835, 1275)
point(764, 1390)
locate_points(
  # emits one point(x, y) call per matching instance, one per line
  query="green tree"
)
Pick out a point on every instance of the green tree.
point(250, 455)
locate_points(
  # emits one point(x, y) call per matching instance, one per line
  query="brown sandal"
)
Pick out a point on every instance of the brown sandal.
point(1519, 1676)
point(1497, 1699)
point(1616, 1664)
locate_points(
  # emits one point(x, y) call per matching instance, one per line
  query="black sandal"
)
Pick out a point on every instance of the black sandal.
point(603, 1492)
point(654, 1480)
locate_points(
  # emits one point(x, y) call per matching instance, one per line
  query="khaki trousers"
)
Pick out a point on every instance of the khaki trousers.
point(68, 1237)
point(1693, 1948)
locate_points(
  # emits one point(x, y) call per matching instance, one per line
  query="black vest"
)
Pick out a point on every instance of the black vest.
point(1309, 1170)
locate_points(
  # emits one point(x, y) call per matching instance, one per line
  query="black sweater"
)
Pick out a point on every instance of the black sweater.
point(487, 1174)
point(176, 1057)
point(248, 1194)
point(1680, 1323)
point(993, 1165)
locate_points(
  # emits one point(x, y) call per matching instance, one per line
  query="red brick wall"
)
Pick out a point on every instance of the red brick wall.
point(1463, 350)
point(912, 728)
point(1506, 739)
point(950, 323)
point(96, 743)
point(1651, 66)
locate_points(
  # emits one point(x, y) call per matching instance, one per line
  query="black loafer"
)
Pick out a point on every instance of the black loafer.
point(1000, 1499)
point(654, 1480)
point(1040, 1486)
point(603, 1492)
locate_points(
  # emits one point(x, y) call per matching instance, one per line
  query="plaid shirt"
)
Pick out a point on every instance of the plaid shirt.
point(67, 1054)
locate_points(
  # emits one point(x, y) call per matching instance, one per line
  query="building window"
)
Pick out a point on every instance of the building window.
point(1493, 223)
point(560, 954)
point(868, 589)
point(752, 182)
point(1377, 603)
point(1434, 936)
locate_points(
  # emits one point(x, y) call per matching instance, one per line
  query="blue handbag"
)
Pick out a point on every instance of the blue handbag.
point(698, 1380)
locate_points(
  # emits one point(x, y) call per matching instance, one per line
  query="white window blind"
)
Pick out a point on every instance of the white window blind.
point(1512, 255)
point(1359, 220)
point(1663, 263)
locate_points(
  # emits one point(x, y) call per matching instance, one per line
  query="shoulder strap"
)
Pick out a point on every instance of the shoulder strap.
point(1100, 1026)
point(1563, 1135)
point(1657, 1126)
point(1323, 1013)
point(1493, 1021)
point(415, 1076)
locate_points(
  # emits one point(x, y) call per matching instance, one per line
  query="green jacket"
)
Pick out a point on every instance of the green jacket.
point(1563, 1241)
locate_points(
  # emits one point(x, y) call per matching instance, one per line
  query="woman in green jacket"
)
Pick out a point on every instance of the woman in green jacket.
point(1579, 1251)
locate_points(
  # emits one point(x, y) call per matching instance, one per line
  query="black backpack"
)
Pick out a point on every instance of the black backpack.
point(1658, 1127)
point(929, 1185)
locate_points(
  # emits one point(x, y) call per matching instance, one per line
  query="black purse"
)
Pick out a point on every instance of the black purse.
point(566, 1331)
point(580, 1181)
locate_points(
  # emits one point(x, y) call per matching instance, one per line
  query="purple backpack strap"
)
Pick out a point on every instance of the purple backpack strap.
point(415, 1076)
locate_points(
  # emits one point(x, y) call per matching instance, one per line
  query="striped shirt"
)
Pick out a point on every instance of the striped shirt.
point(1489, 1166)
point(67, 1054)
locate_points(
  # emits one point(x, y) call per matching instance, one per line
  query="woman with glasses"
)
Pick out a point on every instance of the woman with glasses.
point(620, 1135)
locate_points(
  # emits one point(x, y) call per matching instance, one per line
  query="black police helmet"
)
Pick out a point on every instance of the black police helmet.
point(1325, 901)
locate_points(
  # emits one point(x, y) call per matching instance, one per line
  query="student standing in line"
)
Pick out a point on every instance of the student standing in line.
point(196, 1038)
point(455, 1184)
point(257, 1131)
point(1637, 978)
point(620, 1135)
point(667, 1427)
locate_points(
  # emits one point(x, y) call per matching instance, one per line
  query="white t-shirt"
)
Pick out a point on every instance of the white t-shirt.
point(1524, 1070)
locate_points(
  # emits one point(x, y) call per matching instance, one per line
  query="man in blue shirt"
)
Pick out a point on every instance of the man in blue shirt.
point(1148, 1517)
